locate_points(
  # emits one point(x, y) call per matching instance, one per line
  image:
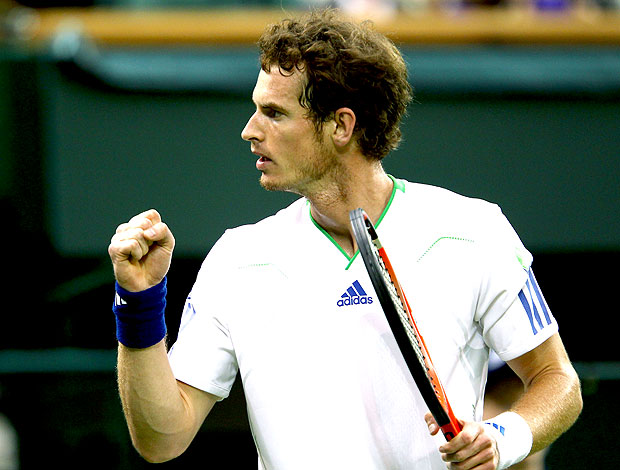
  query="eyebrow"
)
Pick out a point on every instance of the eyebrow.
point(271, 105)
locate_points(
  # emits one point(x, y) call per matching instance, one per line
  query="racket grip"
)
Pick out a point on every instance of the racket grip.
point(450, 430)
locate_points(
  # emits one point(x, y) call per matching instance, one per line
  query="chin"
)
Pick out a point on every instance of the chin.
point(272, 184)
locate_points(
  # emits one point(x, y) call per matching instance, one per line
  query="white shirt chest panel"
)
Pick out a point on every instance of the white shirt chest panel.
point(320, 334)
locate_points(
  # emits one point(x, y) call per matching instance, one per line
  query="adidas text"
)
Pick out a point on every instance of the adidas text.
point(357, 300)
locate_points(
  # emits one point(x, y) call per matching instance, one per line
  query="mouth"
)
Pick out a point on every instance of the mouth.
point(263, 161)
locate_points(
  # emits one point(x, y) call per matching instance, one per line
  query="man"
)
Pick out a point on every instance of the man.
point(325, 384)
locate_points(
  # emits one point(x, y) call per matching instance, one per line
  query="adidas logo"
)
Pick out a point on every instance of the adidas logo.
point(497, 426)
point(354, 295)
point(118, 300)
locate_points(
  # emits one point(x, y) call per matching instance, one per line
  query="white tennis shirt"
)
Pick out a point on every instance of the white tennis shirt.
point(280, 304)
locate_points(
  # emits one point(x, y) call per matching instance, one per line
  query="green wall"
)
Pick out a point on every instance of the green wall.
point(115, 141)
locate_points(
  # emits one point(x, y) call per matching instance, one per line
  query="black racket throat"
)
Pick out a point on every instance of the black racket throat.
point(368, 244)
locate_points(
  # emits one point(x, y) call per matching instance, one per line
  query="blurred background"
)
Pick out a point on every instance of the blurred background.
point(108, 108)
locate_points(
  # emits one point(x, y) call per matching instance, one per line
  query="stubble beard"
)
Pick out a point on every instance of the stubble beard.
point(320, 177)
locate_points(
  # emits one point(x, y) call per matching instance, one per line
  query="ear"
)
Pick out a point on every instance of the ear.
point(344, 124)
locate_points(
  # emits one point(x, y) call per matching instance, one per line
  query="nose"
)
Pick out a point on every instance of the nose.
point(251, 131)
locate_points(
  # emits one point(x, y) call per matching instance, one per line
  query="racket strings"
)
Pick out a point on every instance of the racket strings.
point(393, 302)
point(402, 313)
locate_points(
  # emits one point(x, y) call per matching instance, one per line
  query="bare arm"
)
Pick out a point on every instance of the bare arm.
point(551, 401)
point(550, 404)
point(163, 415)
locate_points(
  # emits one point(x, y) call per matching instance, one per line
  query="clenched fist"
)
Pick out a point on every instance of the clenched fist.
point(141, 251)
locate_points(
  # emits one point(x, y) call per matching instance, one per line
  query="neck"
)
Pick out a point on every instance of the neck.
point(370, 190)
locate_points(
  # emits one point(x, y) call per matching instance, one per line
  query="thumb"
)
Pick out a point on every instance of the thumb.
point(433, 427)
point(161, 234)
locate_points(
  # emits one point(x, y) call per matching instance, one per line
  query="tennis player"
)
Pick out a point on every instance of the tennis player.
point(286, 304)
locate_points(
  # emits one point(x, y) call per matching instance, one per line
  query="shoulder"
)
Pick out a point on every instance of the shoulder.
point(442, 206)
point(284, 221)
point(434, 213)
point(239, 244)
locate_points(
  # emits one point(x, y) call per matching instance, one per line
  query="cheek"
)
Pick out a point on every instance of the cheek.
point(298, 142)
point(294, 137)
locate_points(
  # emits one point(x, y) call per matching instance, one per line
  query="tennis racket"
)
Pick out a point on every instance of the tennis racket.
point(403, 326)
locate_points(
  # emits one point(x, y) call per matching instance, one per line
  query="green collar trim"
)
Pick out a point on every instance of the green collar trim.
point(329, 237)
point(397, 185)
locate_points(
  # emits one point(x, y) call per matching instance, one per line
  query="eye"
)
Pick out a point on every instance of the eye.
point(272, 112)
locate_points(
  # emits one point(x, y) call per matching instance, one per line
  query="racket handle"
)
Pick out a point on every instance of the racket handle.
point(450, 430)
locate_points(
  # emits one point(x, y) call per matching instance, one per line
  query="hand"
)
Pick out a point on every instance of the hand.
point(473, 448)
point(141, 251)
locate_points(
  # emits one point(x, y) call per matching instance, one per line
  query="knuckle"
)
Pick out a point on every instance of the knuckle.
point(141, 224)
point(134, 244)
point(136, 219)
point(134, 233)
point(151, 215)
point(468, 437)
point(459, 457)
point(486, 439)
point(488, 454)
point(130, 245)
point(116, 245)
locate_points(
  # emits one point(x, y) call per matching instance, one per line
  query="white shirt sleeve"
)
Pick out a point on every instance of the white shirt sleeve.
point(527, 323)
point(203, 355)
point(512, 311)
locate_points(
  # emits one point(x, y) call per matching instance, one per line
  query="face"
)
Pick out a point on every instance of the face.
point(292, 155)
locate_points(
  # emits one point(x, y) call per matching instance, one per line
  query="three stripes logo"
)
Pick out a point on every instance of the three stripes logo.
point(535, 305)
point(501, 429)
point(354, 295)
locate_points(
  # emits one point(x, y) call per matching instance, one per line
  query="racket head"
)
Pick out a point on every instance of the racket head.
point(398, 314)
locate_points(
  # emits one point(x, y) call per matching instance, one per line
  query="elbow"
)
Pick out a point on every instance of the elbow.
point(572, 398)
point(578, 396)
point(152, 458)
point(152, 455)
point(155, 457)
point(157, 452)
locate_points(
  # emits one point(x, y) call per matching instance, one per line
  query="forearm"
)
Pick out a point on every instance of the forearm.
point(551, 404)
point(159, 417)
point(551, 401)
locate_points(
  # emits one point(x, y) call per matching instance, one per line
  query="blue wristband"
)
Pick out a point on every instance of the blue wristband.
point(140, 320)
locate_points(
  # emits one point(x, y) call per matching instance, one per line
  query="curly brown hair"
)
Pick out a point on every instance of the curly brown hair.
point(346, 65)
